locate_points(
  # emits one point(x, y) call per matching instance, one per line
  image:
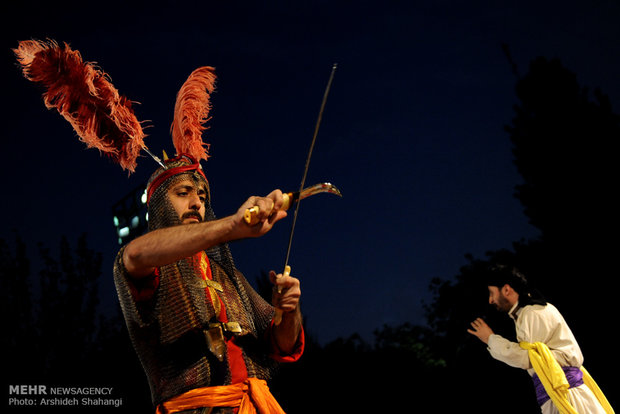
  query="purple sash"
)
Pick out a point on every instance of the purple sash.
point(574, 376)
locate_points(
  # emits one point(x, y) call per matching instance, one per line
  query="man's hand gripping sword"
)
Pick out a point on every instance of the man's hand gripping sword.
point(251, 214)
point(289, 198)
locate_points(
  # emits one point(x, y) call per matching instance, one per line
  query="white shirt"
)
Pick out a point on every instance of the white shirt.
point(538, 323)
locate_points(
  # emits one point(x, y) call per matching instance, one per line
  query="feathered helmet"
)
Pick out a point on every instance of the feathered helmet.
point(104, 119)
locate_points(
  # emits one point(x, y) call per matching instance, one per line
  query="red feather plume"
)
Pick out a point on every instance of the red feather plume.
point(191, 112)
point(84, 96)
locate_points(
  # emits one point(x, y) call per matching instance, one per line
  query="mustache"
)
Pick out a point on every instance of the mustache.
point(191, 214)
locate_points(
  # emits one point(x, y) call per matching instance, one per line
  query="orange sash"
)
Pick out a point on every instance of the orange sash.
point(251, 396)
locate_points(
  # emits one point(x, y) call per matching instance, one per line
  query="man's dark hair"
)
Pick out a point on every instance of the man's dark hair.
point(500, 275)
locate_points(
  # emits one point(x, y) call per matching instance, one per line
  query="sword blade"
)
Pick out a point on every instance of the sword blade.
point(315, 189)
point(303, 179)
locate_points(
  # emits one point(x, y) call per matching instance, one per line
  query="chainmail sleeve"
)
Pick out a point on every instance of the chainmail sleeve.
point(166, 332)
point(140, 315)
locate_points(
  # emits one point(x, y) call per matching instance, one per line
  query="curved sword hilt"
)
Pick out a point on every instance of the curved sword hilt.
point(251, 214)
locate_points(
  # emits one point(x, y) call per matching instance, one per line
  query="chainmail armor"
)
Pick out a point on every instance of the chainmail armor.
point(167, 330)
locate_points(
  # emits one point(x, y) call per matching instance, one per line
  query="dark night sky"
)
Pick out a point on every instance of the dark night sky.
point(412, 133)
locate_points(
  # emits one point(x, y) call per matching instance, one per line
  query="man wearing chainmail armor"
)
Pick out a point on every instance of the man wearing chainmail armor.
point(206, 340)
point(194, 320)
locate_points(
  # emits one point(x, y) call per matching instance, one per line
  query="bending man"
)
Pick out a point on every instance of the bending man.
point(540, 327)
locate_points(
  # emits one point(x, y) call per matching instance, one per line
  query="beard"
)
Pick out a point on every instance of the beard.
point(192, 214)
point(503, 305)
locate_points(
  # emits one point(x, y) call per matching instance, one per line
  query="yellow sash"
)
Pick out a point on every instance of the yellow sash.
point(554, 380)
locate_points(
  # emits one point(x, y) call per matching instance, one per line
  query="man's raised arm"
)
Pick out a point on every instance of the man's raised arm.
point(163, 246)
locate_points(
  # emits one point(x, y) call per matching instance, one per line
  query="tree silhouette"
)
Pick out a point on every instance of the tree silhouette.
point(564, 146)
point(16, 307)
point(67, 308)
point(55, 336)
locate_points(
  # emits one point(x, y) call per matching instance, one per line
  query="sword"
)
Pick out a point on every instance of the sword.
point(287, 269)
point(251, 214)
